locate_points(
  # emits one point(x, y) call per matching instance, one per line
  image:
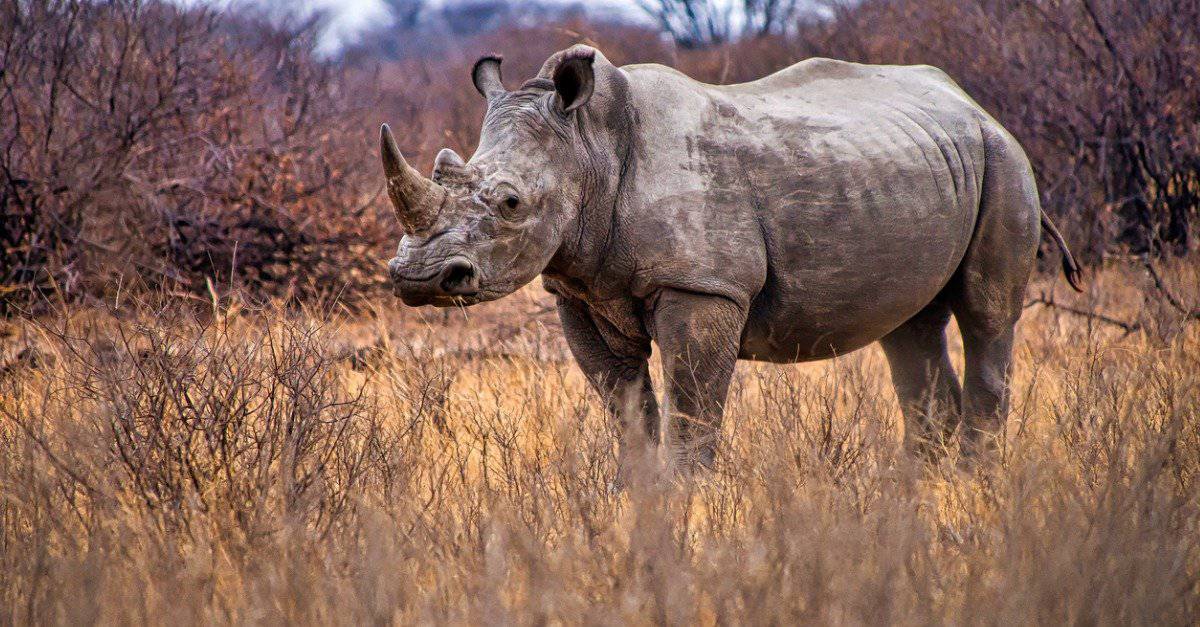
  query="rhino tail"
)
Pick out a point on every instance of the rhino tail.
point(1069, 265)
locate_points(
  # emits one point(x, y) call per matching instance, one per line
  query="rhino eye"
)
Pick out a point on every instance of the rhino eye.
point(511, 202)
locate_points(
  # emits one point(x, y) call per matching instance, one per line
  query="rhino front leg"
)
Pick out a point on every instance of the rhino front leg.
point(698, 336)
point(621, 377)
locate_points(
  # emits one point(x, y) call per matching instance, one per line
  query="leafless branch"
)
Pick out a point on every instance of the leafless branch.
point(1047, 299)
point(1192, 313)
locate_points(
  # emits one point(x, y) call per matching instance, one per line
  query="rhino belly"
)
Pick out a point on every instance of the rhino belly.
point(855, 252)
point(817, 310)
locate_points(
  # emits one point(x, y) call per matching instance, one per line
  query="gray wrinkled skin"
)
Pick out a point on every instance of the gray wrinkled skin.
point(797, 217)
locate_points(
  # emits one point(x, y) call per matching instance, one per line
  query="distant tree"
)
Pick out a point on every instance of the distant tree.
point(393, 36)
point(691, 23)
point(404, 14)
point(469, 17)
point(700, 23)
point(765, 17)
point(176, 147)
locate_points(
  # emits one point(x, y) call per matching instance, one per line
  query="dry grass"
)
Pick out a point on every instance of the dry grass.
point(291, 464)
point(159, 466)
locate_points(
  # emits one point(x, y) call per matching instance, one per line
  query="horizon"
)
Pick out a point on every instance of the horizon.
point(349, 18)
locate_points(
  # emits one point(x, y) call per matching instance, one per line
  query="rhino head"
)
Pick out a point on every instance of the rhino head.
point(482, 228)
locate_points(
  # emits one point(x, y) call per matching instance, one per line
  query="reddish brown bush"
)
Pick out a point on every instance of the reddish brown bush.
point(178, 150)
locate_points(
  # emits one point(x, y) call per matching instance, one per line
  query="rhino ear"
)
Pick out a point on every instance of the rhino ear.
point(574, 81)
point(486, 76)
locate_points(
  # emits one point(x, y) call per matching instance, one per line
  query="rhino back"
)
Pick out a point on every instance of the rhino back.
point(833, 199)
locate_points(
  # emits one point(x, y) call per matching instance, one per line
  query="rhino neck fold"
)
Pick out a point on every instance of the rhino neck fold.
point(608, 130)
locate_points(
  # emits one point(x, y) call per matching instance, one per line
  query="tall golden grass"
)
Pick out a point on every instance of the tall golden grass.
point(354, 462)
point(269, 465)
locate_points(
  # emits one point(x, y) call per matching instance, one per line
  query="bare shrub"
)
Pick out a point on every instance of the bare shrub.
point(240, 467)
point(188, 418)
point(155, 146)
point(176, 148)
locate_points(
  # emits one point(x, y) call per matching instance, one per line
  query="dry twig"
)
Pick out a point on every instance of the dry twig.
point(1047, 299)
point(1192, 313)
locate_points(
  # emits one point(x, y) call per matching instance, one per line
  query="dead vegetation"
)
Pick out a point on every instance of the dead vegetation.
point(151, 146)
point(195, 427)
point(148, 146)
point(159, 465)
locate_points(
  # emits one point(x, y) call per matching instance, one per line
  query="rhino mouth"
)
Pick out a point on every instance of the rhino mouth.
point(441, 302)
point(416, 278)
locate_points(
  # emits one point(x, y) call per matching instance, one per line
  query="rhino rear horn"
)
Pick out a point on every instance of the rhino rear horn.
point(449, 166)
point(486, 76)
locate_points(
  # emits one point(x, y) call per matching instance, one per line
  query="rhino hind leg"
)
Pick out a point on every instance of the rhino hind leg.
point(986, 389)
point(924, 379)
point(988, 290)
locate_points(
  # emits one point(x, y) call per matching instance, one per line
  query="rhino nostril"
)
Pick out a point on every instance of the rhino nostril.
point(458, 277)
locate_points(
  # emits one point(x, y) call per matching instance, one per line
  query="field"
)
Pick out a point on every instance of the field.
point(162, 463)
point(212, 409)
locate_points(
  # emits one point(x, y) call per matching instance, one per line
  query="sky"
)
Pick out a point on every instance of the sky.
point(349, 16)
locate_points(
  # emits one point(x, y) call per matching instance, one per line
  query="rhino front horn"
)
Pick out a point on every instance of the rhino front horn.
point(393, 161)
point(415, 198)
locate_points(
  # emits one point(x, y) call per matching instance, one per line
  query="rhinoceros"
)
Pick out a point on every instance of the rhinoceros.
point(797, 217)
